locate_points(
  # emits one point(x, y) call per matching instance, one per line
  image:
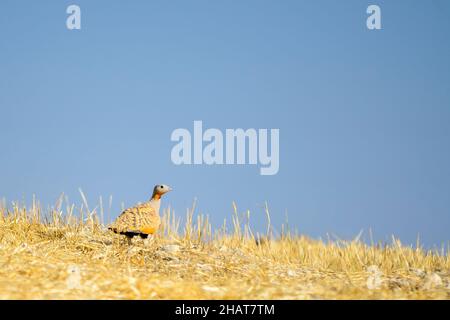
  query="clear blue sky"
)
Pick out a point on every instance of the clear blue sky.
point(364, 116)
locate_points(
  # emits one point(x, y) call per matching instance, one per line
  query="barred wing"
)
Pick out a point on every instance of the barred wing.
point(142, 218)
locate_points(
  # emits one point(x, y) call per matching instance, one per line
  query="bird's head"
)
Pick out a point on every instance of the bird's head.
point(160, 189)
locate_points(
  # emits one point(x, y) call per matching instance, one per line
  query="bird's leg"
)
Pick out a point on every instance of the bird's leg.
point(129, 242)
point(148, 241)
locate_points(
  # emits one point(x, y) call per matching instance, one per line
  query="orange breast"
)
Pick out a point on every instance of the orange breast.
point(148, 229)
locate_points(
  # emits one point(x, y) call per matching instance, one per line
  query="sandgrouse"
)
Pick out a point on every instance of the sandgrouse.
point(142, 220)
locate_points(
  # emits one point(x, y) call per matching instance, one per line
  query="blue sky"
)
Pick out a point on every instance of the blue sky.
point(363, 115)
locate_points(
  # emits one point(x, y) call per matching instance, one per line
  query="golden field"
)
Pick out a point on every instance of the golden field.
point(67, 254)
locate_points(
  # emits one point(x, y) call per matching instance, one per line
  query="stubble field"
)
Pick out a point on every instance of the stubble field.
point(68, 255)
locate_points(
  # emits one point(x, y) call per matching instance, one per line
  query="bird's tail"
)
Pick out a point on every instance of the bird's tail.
point(113, 229)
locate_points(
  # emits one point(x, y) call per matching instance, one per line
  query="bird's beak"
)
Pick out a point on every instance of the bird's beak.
point(170, 189)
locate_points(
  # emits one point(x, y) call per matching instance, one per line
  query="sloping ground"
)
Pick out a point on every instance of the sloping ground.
point(59, 260)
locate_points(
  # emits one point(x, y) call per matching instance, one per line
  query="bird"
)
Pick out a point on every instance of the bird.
point(143, 219)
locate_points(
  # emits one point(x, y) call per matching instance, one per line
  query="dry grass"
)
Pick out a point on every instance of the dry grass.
point(63, 255)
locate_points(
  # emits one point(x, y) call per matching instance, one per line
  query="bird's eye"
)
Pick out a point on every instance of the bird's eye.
point(162, 187)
